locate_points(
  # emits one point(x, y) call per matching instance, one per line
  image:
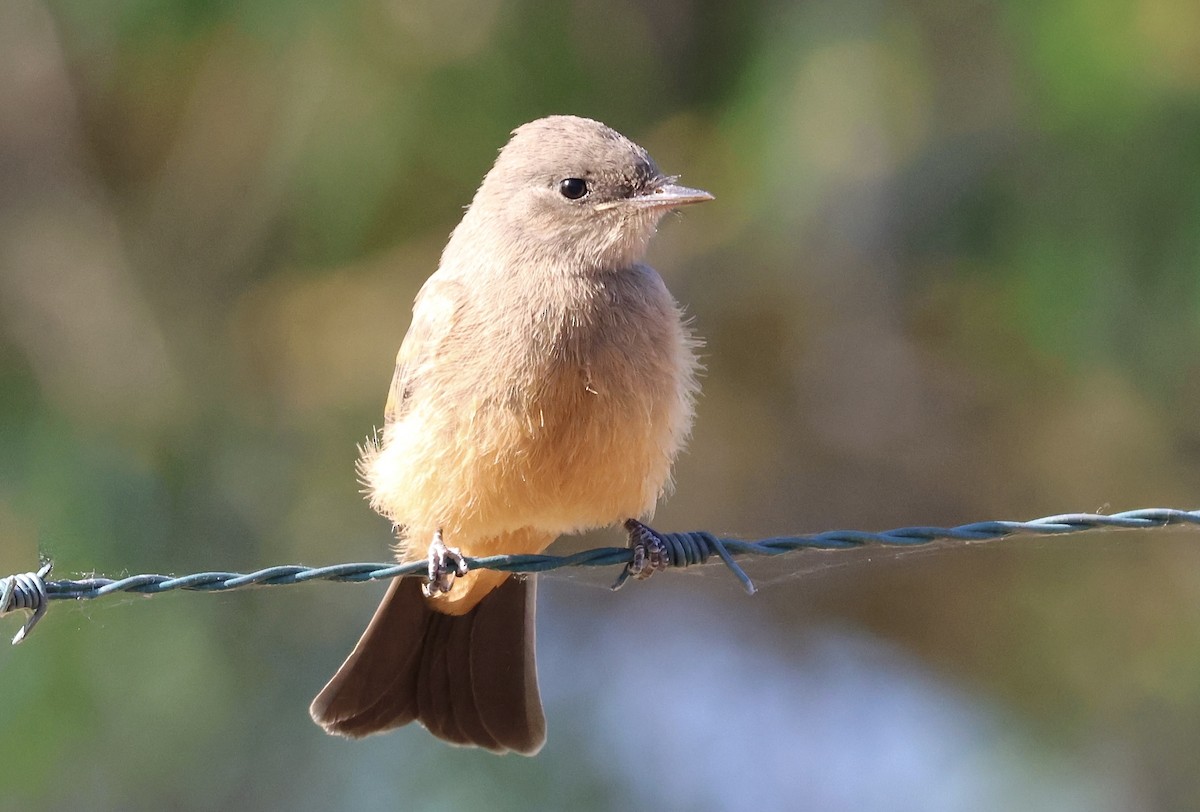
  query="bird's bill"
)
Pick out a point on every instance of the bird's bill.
point(670, 196)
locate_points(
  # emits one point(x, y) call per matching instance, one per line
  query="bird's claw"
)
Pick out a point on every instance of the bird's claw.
point(445, 563)
point(650, 554)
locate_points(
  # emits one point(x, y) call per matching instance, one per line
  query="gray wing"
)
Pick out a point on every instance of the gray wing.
point(435, 312)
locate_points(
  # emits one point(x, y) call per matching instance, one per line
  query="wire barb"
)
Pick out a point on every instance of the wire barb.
point(31, 591)
point(651, 552)
point(25, 591)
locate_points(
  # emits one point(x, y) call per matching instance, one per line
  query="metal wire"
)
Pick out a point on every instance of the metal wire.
point(30, 591)
point(27, 591)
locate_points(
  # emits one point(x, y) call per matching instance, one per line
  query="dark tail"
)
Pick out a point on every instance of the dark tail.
point(469, 679)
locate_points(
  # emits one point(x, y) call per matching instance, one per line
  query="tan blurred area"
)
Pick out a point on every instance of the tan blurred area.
point(952, 274)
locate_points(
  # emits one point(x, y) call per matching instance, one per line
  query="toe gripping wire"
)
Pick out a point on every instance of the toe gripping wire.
point(27, 591)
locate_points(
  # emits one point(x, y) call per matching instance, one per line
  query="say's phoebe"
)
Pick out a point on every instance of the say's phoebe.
point(544, 387)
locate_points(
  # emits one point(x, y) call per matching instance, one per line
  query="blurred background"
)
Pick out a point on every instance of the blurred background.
point(952, 274)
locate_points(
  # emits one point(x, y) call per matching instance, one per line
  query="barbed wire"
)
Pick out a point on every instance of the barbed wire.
point(31, 591)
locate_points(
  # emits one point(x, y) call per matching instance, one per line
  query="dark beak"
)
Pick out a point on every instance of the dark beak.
point(669, 196)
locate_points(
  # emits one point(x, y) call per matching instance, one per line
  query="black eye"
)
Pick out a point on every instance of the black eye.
point(573, 188)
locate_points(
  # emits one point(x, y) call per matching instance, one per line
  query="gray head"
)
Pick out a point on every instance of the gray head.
point(572, 189)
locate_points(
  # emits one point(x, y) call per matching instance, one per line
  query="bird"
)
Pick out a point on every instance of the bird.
point(545, 386)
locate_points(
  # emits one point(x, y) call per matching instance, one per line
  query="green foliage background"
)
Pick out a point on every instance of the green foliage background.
point(952, 274)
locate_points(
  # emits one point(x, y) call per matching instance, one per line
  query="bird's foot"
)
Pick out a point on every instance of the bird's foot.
point(650, 553)
point(445, 563)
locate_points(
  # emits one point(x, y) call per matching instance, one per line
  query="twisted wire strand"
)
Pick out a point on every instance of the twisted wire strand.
point(31, 591)
point(26, 590)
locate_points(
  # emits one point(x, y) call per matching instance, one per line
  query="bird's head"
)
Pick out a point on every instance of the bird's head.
point(574, 189)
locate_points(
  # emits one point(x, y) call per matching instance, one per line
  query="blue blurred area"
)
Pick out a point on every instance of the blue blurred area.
point(951, 275)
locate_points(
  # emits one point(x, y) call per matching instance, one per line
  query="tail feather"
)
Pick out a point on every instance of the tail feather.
point(462, 680)
point(504, 673)
point(435, 701)
point(470, 679)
